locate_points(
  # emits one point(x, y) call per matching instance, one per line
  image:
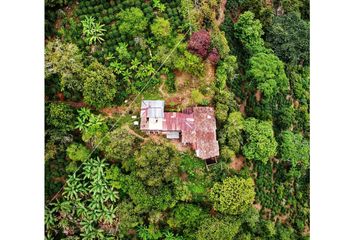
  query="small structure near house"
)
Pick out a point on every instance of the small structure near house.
point(195, 126)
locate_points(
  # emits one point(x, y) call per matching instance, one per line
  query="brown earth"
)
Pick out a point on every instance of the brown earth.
point(110, 111)
point(237, 163)
point(221, 13)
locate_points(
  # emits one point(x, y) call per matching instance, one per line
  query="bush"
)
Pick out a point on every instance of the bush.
point(77, 152)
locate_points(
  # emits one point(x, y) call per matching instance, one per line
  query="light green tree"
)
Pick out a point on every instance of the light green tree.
point(224, 228)
point(161, 28)
point(294, 148)
point(93, 31)
point(260, 142)
point(132, 22)
point(233, 196)
point(249, 31)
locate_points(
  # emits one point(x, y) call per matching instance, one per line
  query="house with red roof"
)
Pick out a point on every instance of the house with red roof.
point(195, 126)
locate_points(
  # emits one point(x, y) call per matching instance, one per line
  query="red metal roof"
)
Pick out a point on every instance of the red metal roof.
point(197, 126)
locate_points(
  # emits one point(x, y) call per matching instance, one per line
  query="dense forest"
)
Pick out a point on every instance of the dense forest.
point(106, 179)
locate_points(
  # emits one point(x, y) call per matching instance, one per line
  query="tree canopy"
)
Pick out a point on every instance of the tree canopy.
point(156, 163)
point(233, 196)
point(99, 85)
point(267, 73)
point(260, 142)
point(132, 22)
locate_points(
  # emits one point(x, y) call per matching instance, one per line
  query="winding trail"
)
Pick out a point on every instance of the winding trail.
point(221, 17)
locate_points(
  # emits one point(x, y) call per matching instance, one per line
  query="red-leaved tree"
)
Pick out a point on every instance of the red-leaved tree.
point(214, 56)
point(199, 43)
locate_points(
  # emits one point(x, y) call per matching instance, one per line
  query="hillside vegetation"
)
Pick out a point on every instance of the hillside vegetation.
point(105, 179)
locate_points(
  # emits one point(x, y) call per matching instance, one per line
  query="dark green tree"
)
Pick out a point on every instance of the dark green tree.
point(156, 163)
point(120, 145)
point(99, 85)
point(289, 37)
point(60, 117)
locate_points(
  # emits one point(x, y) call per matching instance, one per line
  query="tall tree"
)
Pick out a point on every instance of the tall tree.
point(66, 60)
point(266, 73)
point(156, 163)
point(289, 37)
point(295, 149)
point(260, 142)
point(249, 31)
point(99, 85)
point(233, 196)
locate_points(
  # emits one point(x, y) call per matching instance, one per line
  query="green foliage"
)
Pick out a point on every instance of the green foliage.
point(226, 71)
point(161, 28)
point(249, 31)
point(295, 149)
point(198, 98)
point(128, 218)
point(225, 103)
point(87, 200)
point(174, 55)
point(186, 216)
point(93, 127)
point(56, 3)
point(61, 117)
point(288, 36)
point(120, 145)
point(122, 51)
point(77, 152)
point(92, 30)
point(233, 196)
point(260, 142)
point(230, 135)
point(149, 233)
point(66, 60)
point(219, 41)
point(99, 85)
point(132, 22)
point(225, 228)
point(267, 73)
point(156, 163)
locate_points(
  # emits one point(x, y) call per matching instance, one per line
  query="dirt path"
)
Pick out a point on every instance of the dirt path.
point(163, 93)
point(132, 132)
point(110, 111)
point(221, 17)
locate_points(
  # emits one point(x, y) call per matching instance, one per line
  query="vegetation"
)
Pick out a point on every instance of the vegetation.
point(106, 179)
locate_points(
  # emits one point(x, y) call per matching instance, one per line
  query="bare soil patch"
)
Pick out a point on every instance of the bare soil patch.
point(237, 163)
point(258, 95)
point(257, 206)
point(281, 218)
point(110, 111)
